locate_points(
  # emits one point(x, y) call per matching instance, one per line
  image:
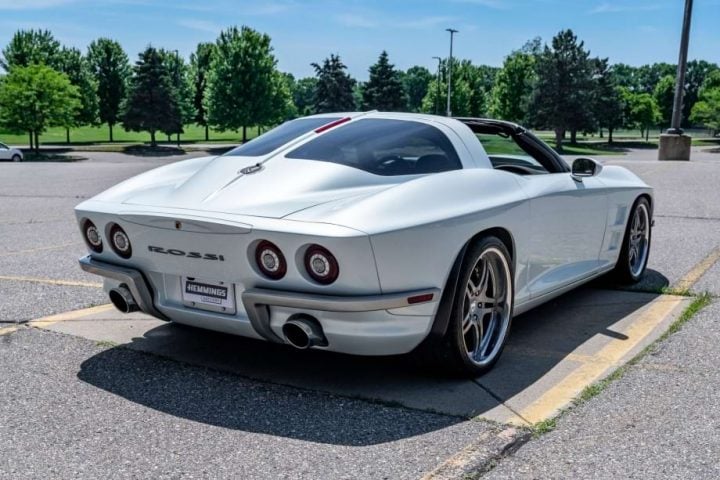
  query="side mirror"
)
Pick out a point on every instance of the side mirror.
point(585, 167)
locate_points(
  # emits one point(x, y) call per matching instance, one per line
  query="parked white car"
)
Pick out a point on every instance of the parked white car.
point(12, 154)
point(368, 233)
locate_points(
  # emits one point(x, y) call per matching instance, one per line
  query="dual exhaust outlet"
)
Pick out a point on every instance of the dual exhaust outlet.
point(301, 331)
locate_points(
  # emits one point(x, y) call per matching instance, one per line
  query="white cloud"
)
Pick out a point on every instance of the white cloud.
point(366, 21)
point(200, 25)
point(357, 20)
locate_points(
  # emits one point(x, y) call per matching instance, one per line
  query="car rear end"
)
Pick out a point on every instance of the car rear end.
point(304, 283)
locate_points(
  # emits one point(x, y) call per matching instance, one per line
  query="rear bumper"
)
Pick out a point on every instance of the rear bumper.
point(363, 325)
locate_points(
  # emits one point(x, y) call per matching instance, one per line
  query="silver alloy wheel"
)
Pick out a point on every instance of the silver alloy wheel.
point(639, 239)
point(487, 307)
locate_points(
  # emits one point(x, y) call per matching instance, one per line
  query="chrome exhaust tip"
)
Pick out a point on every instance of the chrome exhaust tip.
point(123, 300)
point(303, 332)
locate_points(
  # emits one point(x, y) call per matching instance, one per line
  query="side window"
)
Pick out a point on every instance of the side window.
point(384, 147)
point(506, 154)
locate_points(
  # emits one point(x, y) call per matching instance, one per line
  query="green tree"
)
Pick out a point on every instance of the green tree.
point(511, 93)
point(28, 47)
point(241, 80)
point(111, 69)
point(334, 92)
point(706, 110)
point(200, 63)
point(697, 72)
point(36, 97)
point(182, 90)
point(479, 81)
point(281, 101)
point(460, 101)
point(563, 92)
point(664, 94)
point(607, 98)
point(648, 76)
point(303, 95)
point(642, 112)
point(626, 76)
point(151, 105)
point(75, 66)
point(416, 81)
point(383, 90)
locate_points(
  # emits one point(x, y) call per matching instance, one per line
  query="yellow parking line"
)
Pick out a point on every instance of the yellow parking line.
point(74, 315)
point(8, 330)
point(691, 278)
point(50, 281)
point(609, 357)
point(39, 249)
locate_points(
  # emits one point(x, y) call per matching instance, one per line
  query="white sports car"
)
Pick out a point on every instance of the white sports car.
point(369, 234)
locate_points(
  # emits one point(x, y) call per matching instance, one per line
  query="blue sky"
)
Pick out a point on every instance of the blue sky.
point(634, 32)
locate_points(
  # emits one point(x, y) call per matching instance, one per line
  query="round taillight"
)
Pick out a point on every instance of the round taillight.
point(270, 260)
point(120, 242)
point(321, 265)
point(92, 236)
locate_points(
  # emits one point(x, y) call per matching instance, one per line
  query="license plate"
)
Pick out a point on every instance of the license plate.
point(208, 295)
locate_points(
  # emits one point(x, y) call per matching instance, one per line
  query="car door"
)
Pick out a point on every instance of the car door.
point(4, 152)
point(568, 221)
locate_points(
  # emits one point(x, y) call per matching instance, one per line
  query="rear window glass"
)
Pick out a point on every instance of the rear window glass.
point(384, 147)
point(279, 136)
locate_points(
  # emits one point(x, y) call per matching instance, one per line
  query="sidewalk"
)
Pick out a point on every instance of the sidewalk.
point(661, 420)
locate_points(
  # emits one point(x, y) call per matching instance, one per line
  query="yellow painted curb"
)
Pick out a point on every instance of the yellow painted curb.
point(691, 278)
point(607, 359)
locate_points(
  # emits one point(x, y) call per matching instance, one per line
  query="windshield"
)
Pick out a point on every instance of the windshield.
point(279, 136)
point(384, 147)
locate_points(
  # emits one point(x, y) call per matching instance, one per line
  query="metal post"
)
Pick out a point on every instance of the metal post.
point(437, 96)
point(452, 33)
point(682, 67)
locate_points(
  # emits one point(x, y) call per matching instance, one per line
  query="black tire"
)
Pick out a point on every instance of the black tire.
point(450, 354)
point(628, 271)
point(16, 158)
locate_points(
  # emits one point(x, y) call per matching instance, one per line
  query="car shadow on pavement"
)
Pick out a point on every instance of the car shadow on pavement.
point(542, 343)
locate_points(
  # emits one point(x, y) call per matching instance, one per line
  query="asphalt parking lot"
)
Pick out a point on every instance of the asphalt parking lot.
point(88, 393)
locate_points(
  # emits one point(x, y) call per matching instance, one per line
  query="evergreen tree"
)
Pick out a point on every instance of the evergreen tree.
point(182, 90)
point(111, 69)
point(75, 66)
point(151, 104)
point(416, 81)
point(241, 81)
point(200, 63)
point(334, 91)
point(563, 93)
point(607, 99)
point(384, 91)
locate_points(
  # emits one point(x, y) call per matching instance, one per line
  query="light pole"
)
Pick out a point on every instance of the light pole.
point(437, 96)
point(452, 34)
point(674, 145)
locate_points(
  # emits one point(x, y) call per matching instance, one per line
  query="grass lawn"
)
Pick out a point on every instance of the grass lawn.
point(87, 135)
